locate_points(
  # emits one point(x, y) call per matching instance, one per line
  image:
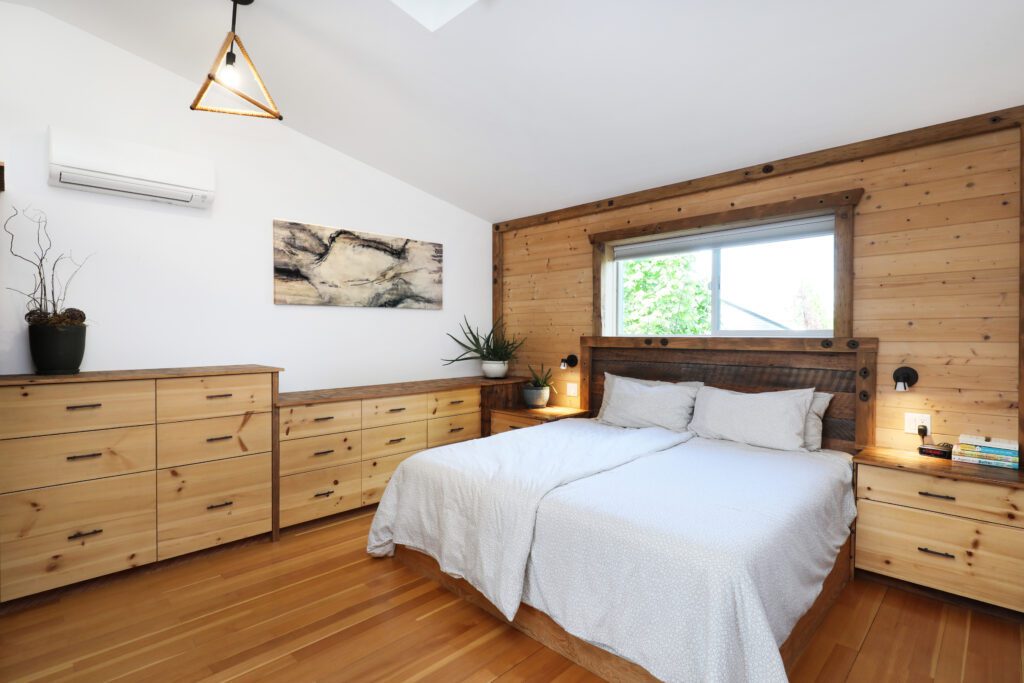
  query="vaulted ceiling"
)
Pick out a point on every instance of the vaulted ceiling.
point(520, 106)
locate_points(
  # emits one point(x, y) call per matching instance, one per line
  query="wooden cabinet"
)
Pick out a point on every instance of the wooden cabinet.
point(105, 471)
point(950, 526)
point(318, 493)
point(520, 418)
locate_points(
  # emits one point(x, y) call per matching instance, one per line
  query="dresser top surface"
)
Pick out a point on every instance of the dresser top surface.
point(548, 414)
point(115, 375)
point(371, 391)
point(939, 467)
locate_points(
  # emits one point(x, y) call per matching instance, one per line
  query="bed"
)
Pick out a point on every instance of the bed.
point(724, 581)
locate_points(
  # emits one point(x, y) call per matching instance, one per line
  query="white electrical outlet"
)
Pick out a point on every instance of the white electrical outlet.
point(911, 421)
point(572, 389)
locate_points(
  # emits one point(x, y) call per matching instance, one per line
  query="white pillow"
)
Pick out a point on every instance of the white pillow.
point(813, 427)
point(647, 403)
point(772, 419)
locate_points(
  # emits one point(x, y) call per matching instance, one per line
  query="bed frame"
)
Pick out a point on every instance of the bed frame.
point(844, 367)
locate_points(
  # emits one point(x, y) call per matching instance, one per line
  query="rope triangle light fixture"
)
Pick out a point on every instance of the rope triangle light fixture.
point(225, 74)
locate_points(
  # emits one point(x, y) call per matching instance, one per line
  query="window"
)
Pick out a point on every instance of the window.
point(774, 279)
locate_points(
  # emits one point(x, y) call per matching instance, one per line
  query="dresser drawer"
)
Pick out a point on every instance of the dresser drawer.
point(456, 402)
point(186, 443)
point(320, 418)
point(394, 439)
point(502, 422)
point(199, 506)
point(396, 410)
point(311, 495)
point(986, 502)
point(64, 458)
point(974, 559)
point(316, 452)
point(61, 408)
point(195, 398)
point(59, 535)
point(377, 473)
point(445, 430)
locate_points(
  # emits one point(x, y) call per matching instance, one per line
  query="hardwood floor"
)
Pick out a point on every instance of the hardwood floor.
point(315, 607)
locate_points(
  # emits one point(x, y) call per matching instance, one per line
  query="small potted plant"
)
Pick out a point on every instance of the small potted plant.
point(493, 349)
point(537, 391)
point(56, 334)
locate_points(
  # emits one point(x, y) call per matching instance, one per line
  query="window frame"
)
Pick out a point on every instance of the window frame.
point(606, 304)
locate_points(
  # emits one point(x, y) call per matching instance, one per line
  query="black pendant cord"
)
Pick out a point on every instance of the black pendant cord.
point(230, 57)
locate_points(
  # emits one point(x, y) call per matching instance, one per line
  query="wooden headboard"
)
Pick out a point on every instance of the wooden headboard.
point(844, 367)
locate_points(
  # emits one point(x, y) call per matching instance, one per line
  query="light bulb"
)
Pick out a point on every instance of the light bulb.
point(902, 386)
point(229, 75)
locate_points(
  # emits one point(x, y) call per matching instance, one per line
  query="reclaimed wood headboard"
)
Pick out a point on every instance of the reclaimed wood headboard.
point(844, 367)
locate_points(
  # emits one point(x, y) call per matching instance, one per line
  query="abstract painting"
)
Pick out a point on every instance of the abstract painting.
point(317, 265)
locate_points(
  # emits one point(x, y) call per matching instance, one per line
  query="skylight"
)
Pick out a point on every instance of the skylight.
point(433, 14)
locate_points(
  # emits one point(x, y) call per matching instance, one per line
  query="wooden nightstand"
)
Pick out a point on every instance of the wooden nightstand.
point(947, 525)
point(516, 418)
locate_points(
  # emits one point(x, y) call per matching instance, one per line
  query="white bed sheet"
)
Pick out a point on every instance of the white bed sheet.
point(472, 505)
point(695, 562)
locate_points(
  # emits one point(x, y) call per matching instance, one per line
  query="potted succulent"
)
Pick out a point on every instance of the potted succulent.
point(493, 349)
point(537, 391)
point(56, 334)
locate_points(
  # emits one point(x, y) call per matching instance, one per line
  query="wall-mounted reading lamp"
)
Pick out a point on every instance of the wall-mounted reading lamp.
point(904, 378)
point(569, 361)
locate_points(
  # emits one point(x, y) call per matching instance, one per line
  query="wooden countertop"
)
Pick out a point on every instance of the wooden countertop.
point(114, 375)
point(922, 464)
point(301, 398)
point(547, 414)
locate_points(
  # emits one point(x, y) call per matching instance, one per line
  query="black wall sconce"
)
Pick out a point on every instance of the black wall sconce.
point(569, 361)
point(904, 378)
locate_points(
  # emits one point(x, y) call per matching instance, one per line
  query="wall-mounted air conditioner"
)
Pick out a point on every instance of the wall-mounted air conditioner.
point(80, 162)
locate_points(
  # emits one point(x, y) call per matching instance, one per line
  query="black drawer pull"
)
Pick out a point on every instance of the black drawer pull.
point(456, 403)
point(226, 503)
point(327, 452)
point(209, 396)
point(935, 495)
point(82, 534)
point(84, 406)
point(936, 552)
point(455, 429)
point(218, 438)
point(396, 410)
point(323, 419)
point(398, 440)
point(323, 494)
point(515, 427)
point(83, 456)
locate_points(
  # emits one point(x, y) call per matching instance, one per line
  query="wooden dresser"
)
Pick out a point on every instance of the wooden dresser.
point(103, 471)
point(952, 526)
point(339, 447)
point(505, 420)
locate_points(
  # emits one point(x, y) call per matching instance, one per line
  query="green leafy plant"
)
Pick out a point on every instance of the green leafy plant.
point(665, 296)
point(494, 345)
point(539, 380)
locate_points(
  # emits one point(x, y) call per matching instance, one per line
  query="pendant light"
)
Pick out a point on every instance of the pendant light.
point(225, 74)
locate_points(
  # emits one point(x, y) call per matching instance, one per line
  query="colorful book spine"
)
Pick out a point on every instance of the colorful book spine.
point(983, 461)
point(991, 443)
point(988, 450)
point(960, 450)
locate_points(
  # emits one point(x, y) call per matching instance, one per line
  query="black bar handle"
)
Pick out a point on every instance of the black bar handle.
point(327, 452)
point(209, 396)
point(83, 406)
point(515, 426)
point(82, 534)
point(456, 403)
point(83, 456)
point(226, 503)
point(396, 410)
point(948, 556)
point(218, 438)
point(455, 429)
point(323, 419)
point(398, 440)
point(941, 496)
point(323, 494)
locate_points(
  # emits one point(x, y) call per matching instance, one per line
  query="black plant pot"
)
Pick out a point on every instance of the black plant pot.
point(57, 349)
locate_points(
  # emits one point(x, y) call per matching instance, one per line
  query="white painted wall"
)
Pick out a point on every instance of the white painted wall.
point(170, 286)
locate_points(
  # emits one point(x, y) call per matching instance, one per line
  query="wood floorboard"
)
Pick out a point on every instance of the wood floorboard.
point(315, 607)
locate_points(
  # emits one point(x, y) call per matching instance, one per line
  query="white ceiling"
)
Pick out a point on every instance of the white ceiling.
point(521, 106)
point(433, 14)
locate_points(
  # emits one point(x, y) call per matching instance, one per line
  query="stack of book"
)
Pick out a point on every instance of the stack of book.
point(982, 451)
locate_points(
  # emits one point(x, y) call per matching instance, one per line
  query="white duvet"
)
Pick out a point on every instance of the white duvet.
point(695, 562)
point(472, 506)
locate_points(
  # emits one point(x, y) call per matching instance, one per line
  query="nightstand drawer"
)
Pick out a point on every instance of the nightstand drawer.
point(986, 502)
point(974, 559)
point(311, 495)
point(186, 443)
point(320, 418)
point(456, 402)
point(503, 422)
point(317, 452)
point(394, 439)
point(62, 408)
point(396, 410)
point(195, 398)
point(377, 473)
point(446, 430)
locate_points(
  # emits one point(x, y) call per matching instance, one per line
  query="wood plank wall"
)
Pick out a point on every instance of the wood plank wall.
point(936, 276)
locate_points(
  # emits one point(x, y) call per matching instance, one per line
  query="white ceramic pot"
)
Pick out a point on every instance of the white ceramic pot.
point(536, 397)
point(495, 369)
